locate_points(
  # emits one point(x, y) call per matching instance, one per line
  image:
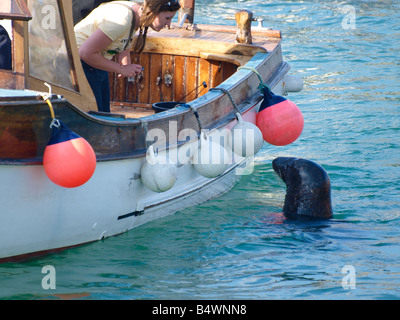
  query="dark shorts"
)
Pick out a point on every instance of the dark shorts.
point(100, 84)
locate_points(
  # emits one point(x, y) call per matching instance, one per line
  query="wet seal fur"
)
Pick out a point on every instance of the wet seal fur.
point(308, 188)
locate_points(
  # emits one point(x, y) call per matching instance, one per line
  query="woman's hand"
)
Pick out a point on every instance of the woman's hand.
point(130, 70)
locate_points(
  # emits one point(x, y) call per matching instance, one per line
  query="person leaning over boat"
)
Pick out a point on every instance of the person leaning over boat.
point(108, 31)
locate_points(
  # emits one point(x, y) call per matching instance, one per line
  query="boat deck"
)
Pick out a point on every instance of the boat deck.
point(212, 39)
point(131, 112)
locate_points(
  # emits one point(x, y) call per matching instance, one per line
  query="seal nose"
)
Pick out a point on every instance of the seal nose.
point(278, 164)
point(275, 166)
point(281, 163)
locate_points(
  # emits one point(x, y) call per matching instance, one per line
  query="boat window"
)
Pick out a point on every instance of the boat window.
point(49, 55)
point(14, 9)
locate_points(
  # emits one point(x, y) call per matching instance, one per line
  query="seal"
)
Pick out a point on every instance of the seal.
point(308, 188)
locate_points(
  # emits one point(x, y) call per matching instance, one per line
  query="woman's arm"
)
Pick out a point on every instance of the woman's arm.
point(124, 57)
point(90, 53)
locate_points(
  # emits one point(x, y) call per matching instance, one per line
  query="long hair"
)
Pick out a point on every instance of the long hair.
point(151, 8)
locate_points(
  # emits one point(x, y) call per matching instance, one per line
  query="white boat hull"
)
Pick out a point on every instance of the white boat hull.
point(38, 216)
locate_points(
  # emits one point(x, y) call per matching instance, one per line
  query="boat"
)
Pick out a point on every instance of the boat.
point(198, 82)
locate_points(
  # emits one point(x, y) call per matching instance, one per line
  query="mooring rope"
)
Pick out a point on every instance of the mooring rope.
point(196, 115)
point(144, 123)
point(46, 97)
point(262, 84)
point(230, 97)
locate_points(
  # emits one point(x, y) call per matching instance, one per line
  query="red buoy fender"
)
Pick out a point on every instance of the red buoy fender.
point(69, 160)
point(280, 120)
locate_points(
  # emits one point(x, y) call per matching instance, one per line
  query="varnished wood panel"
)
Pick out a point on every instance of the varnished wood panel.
point(143, 82)
point(215, 74)
point(204, 76)
point(228, 70)
point(155, 78)
point(167, 71)
point(120, 89)
point(113, 83)
point(179, 83)
point(191, 77)
point(188, 75)
point(8, 79)
point(131, 84)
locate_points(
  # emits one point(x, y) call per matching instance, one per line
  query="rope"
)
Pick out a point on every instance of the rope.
point(146, 131)
point(230, 97)
point(197, 116)
point(262, 84)
point(46, 97)
point(51, 108)
point(204, 84)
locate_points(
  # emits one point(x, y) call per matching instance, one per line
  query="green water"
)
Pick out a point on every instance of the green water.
point(239, 246)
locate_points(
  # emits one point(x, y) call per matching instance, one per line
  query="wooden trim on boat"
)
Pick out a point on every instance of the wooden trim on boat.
point(22, 13)
point(231, 58)
point(261, 32)
point(192, 43)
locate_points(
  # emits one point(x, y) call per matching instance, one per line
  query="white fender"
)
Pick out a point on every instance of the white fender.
point(210, 159)
point(292, 83)
point(158, 176)
point(246, 138)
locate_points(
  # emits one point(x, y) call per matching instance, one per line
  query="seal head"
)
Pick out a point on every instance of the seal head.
point(308, 188)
